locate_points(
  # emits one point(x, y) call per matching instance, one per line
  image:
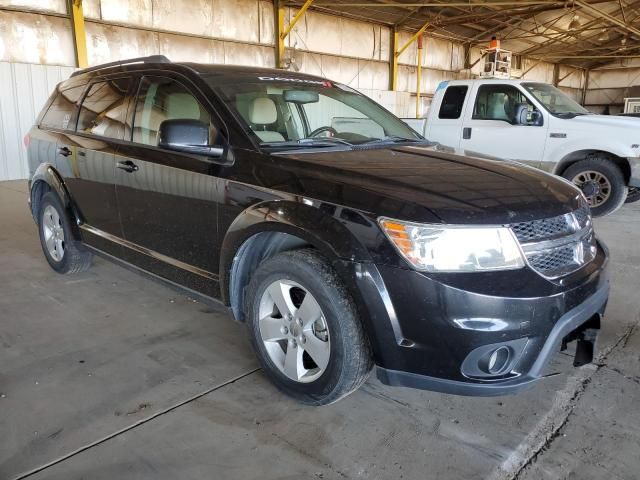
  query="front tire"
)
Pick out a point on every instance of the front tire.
point(601, 181)
point(64, 254)
point(305, 330)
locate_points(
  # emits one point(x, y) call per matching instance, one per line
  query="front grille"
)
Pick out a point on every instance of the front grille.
point(559, 245)
point(553, 260)
point(541, 229)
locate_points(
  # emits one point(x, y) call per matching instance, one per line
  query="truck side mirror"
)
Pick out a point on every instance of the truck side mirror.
point(189, 136)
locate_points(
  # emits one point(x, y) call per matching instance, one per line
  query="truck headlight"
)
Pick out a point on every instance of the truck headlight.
point(444, 248)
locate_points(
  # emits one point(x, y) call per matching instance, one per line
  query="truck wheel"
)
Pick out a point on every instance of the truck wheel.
point(305, 330)
point(62, 252)
point(601, 181)
point(633, 195)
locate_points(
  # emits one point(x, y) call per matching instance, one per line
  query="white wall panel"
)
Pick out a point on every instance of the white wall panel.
point(191, 49)
point(107, 43)
point(56, 6)
point(237, 20)
point(25, 89)
point(321, 33)
point(621, 78)
point(542, 72)
point(574, 79)
point(266, 22)
point(132, 12)
point(243, 54)
point(35, 38)
point(188, 16)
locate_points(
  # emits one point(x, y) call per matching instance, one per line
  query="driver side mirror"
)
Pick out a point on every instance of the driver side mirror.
point(523, 117)
point(189, 136)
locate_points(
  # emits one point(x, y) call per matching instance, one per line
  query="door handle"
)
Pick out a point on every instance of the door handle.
point(127, 166)
point(466, 133)
point(64, 151)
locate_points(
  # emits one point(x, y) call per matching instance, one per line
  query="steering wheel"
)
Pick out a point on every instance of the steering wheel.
point(320, 130)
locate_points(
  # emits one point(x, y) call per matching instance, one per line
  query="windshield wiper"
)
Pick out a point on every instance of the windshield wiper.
point(309, 142)
point(396, 139)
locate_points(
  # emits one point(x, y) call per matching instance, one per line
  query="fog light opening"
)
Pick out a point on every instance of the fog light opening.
point(498, 360)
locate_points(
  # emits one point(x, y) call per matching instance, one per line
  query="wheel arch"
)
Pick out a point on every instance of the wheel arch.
point(46, 179)
point(266, 229)
point(585, 154)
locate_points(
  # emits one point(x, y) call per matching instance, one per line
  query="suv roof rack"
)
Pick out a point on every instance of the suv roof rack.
point(149, 59)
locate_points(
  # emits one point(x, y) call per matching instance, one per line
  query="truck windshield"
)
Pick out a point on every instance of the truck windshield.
point(554, 100)
point(301, 112)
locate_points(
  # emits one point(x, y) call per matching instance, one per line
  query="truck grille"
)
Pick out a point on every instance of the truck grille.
point(560, 245)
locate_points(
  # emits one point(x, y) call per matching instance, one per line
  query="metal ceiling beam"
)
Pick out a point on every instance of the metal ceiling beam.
point(450, 4)
point(610, 18)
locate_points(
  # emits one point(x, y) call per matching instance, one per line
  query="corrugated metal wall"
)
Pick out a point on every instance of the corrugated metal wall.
point(24, 89)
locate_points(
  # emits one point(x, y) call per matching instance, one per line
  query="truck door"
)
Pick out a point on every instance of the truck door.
point(491, 126)
point(445, 124)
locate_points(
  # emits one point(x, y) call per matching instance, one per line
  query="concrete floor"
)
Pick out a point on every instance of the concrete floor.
point(109, 375)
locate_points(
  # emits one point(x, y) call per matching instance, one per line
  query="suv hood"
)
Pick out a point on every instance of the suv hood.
point(425, 184)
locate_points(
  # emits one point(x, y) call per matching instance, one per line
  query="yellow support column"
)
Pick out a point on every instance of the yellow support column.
point(282, 32)
point(393, 70)
point(396, 52)
point(419, 77)
point(280, 39)
point(79, 34)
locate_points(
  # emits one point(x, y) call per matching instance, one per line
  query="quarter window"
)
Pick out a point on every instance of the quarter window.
point(161, 99)
point(104, 109)
point(452, 102)
point(61, 109)
point(501, 102)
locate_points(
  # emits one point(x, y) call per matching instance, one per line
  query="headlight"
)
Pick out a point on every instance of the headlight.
point(439, 248)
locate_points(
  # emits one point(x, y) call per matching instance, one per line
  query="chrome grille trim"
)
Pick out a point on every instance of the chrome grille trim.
point(557, 246)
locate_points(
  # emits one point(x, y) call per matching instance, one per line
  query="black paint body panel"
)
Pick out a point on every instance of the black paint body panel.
point(184, 217)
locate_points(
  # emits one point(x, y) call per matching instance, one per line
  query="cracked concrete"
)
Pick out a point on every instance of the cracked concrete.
point(108, 374)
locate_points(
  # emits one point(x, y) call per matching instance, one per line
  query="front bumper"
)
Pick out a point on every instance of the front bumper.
point(592, 308)
point(431, 331)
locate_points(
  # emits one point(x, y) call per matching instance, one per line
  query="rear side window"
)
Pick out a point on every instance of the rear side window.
point(61, 109)
point(453, 102)
point(104, 109)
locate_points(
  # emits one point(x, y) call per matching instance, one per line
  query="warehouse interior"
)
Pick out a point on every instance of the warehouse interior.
point(110, 374)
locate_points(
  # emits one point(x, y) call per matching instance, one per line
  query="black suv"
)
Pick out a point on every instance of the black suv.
point(340, 236)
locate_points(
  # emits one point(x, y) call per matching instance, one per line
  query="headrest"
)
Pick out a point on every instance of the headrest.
point(262, 111)
point(182, 105)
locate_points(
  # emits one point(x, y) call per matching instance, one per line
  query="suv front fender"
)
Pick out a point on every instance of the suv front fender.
point(315, 227)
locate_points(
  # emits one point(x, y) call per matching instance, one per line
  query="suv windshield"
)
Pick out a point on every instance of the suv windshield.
point(554, 100)
point(303, 112)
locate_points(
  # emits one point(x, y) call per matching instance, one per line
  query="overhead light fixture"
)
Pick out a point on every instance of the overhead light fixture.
point(604, 35)
point(575, 23)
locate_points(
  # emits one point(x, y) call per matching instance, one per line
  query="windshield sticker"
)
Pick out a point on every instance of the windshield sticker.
point(324, 83)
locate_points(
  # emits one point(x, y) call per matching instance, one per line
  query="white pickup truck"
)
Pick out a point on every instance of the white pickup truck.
point(537, 124)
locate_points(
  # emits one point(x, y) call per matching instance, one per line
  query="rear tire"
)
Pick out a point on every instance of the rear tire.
point(601, 181)
point(64, 254)
point(299, 311)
